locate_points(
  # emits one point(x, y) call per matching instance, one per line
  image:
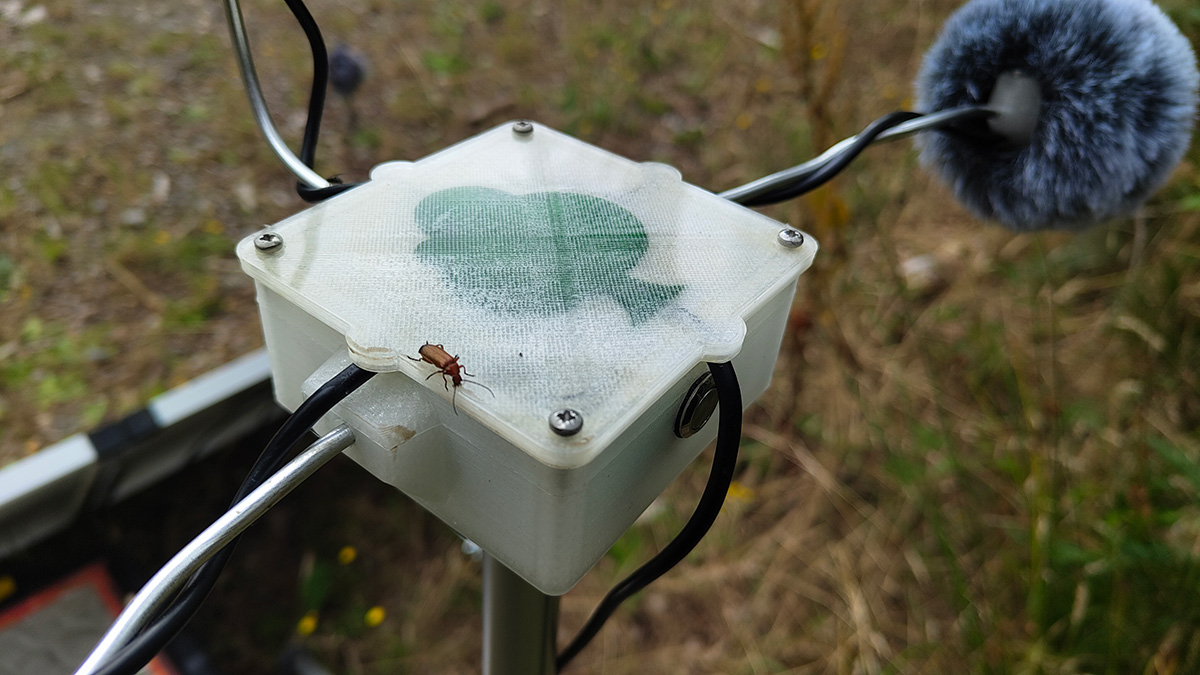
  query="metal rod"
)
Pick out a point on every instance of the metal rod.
point(163, 585)
point(241, 46)
point(519, 624)
point(927, 121)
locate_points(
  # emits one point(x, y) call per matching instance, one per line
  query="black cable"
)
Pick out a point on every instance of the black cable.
point(316, 105)
point(316, 98)
point(729, 436)
point(312, 194)
point(828, 170)
point(155, 636)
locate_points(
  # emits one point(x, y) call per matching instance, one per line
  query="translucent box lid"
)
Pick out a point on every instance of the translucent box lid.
point(561, 275)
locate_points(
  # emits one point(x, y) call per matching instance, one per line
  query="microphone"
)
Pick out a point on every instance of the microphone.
point(1093, 107)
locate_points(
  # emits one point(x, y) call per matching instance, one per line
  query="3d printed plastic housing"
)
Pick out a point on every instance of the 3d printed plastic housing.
point(562, 277)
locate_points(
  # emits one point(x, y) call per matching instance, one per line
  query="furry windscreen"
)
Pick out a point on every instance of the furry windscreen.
point(1119, 94)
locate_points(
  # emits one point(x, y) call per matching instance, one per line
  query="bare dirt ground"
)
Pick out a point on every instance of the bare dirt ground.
point(980, 450)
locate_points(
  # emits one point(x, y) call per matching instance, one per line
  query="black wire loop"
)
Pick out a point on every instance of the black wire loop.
point(316, 105)
point(312, 195)
point(729, 436)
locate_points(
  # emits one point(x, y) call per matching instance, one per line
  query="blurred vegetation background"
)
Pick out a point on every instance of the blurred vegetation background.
point(980, 450)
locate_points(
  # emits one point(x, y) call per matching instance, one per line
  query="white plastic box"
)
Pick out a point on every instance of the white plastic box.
point(563, 277)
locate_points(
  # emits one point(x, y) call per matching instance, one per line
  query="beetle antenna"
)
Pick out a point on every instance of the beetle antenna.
point(480, 384)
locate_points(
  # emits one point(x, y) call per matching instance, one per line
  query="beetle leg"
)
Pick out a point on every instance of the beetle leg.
point(434, 373)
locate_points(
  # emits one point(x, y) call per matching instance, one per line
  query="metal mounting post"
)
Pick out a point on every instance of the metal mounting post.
point(519, 624)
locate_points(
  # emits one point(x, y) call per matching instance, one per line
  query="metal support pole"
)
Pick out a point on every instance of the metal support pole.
point(519, 624)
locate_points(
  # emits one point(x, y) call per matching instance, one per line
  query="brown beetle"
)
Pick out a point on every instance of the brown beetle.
point(448, 367)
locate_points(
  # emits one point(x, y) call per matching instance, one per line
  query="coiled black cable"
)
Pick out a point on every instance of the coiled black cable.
point(824, 173)
point(729, 436)
point(154, 637)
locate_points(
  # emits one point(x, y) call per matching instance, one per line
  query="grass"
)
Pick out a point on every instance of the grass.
point(988, 467)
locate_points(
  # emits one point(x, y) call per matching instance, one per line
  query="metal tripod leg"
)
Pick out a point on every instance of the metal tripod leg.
point(519, 624)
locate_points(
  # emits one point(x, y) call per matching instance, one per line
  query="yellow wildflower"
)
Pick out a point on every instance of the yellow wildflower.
point(308, 624)
point(374, 616)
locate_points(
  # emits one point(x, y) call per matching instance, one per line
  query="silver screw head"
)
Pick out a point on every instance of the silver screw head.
point(522, 127)
point(566, 422)
point(268, 242)
point(790, 237)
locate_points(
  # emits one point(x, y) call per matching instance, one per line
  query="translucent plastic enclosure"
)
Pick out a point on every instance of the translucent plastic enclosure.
point(562, 277)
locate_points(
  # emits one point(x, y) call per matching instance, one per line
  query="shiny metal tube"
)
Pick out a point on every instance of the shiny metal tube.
point(163, 585)
point(241, 45)
point(928, 121)
point(519, 624)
